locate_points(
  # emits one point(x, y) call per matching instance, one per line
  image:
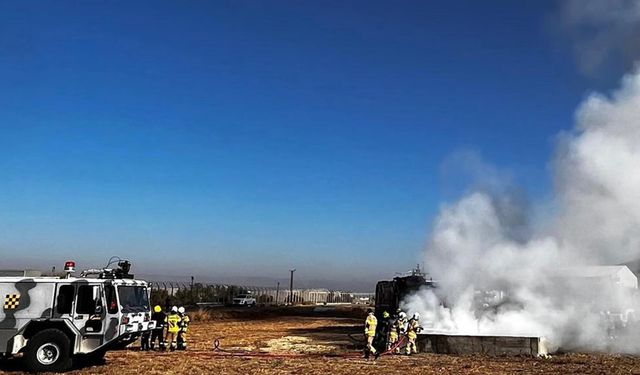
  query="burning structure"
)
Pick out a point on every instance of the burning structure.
point(604, 283)
point(390, 294)
point(507, 268)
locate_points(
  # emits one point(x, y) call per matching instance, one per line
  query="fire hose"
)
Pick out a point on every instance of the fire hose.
point(398, 344)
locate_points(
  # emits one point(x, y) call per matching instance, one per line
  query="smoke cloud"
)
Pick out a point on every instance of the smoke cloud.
point(497, 275)
point(602, 32)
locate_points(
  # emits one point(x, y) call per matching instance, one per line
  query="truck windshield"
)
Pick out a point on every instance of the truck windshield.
point(133, 299)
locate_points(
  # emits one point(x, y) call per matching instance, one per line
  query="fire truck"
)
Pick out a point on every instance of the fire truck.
point(52, 321)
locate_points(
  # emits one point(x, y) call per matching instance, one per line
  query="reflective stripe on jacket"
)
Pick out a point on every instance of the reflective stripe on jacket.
point(413, 328)
point(370, 325)
point(184, 323)
point(173, 323)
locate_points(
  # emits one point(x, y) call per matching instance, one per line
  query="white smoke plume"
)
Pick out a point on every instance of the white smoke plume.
point(481, 249)
point(602, 32)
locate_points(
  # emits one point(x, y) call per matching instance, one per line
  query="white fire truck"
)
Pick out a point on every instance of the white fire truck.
point(53, 320)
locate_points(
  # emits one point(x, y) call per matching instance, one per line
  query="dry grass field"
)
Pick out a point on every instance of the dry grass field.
point(319, 345)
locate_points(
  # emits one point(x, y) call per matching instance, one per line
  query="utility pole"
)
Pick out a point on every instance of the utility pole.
point(291, 287)
point(277, 292)
point(191, 291)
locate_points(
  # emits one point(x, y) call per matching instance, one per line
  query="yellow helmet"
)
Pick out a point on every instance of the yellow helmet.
point(157, 308)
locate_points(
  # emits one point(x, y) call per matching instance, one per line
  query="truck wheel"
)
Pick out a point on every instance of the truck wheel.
point(48, 350)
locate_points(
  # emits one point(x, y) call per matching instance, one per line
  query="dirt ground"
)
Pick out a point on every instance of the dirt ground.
point(316, 345)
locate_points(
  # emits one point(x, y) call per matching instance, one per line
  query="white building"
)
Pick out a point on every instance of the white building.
point(616, 275)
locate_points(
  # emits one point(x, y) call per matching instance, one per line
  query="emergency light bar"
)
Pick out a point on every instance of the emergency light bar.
point(70, 266)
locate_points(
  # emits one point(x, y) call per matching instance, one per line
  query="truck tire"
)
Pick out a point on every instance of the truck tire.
point(48, 350)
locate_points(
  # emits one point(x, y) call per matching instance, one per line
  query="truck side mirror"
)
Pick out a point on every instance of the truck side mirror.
point(98, 310)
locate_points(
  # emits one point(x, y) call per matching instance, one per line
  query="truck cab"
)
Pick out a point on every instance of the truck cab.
point(53, 320)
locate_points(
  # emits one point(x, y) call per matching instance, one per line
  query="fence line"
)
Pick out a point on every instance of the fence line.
point(224, 293)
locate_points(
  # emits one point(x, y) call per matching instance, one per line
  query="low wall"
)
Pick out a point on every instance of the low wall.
point(484, 344)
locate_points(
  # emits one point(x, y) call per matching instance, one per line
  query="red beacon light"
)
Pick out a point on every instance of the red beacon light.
point(69, 267)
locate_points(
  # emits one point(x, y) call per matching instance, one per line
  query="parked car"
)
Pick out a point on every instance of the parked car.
point(244, 300)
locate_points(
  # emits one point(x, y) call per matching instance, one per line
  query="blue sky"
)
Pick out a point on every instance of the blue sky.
point(248, 137)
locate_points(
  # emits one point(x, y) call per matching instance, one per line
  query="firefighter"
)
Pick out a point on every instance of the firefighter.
point(144, 340)
point(173, 327)
point(413, 328)
point(370, 325)
point(397, 329)
point(157, 334)
point(184, 328)
point(382, 336)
